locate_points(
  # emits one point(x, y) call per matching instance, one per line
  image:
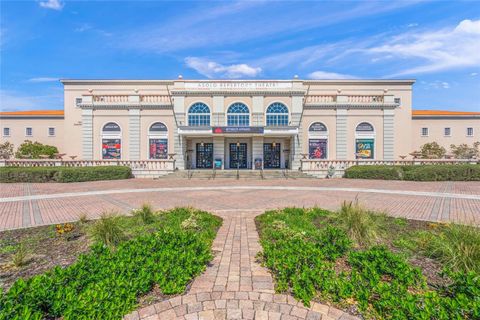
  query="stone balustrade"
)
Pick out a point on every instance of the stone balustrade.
point(336, 168)
point(321, 99)
point(365, 99)
point(140, 168)
point(154, 99)
point(111, 99)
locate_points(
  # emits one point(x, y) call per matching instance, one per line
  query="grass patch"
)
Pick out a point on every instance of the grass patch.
point(106, 282)
point(373, 265)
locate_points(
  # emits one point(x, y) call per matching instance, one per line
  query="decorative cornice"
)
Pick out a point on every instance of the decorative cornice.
point(126, 106)
point(238, 93)
point(312, 106)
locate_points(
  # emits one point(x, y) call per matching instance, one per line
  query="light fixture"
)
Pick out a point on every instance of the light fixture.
point(274, 144)
point(238, 144)
point(201, 143)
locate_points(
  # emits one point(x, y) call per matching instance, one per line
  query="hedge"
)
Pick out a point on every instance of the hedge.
point(441, 172)
point(63, 174)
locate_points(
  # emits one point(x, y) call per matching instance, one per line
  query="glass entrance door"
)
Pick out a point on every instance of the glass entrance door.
point(238, 156)
point(271, 155)
point(204, 156)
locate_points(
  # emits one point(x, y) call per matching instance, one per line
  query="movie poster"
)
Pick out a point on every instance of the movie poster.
point(111, 148)
point(364, 148)
point(317, 148)
point(158, 149)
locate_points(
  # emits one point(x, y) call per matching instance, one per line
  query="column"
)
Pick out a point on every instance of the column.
point(341, 134)
point(134, 134)
point(296, 141)
point(218, 111)
point(87, 134)
point(219, 149)
point(179, 141)
point(388, 134)
point(258, 111)
point(257, 149)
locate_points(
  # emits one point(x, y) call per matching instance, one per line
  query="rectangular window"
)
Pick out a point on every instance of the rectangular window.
point(111, 148)
point(397, 100)
point(364, 148)
point(317, 148)
point(6, 132)
point(51, 132)
point(469, 132)
point(447, 132)
point(158, 148)
point(28, 132)
point(424, 132)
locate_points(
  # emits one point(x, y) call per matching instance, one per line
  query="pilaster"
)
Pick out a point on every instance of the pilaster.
point(134, 133)
point(87, 134)
point(257, 149)
point(388, 134)
point(341, 134)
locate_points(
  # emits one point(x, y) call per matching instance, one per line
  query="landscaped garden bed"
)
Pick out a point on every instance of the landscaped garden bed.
point(103, 269)
point(432, 172)
point(372, 265)
point(63, 174)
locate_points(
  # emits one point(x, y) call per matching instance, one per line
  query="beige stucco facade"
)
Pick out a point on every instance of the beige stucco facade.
point(270, 121)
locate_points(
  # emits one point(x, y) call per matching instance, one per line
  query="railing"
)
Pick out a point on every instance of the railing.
point(321, 99)
point(140, 168)
point(111, 99)
point(365, 99)
point(321, 168)
point(153, 99)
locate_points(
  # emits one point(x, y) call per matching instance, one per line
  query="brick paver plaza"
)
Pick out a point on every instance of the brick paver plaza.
point(235, 286)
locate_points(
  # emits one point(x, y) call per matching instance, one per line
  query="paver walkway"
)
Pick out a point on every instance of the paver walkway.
point(235, 286)
point(25, 205)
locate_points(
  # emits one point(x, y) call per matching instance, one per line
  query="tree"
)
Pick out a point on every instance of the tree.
point(463, 151)
point(6, 150)
point(432, 150)
point(33, 150)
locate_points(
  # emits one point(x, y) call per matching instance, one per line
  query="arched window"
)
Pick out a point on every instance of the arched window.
point(158, 141)
point(111, 141)
point(199, 115)
point(364, 127)
point(238, 115)
point(318, 141)
point(277, 114)
point(317, 127)
point(365, 141)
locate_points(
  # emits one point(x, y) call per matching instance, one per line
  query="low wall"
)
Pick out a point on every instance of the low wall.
point(140, 168)
point(336, 168)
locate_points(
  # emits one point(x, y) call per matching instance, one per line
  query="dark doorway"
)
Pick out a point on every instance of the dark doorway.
point(238, 156)
point(204, 156)
point(271, 155)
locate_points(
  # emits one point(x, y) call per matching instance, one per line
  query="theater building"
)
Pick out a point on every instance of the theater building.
point(231, 124)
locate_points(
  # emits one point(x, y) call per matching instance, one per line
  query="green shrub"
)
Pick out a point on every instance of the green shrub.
point(374, 172)
point(378, 283)
point(358, 222)
point(19, 258)
point(63, 174)
point(33, 150)
point(440, 172)
point(108, 230)
point(106, 283)
point(145, 213)
point(458, 246)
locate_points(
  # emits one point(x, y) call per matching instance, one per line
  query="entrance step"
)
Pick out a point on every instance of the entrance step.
point(242, 174)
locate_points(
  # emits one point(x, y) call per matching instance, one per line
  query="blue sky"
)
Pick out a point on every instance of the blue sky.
point(435, 42)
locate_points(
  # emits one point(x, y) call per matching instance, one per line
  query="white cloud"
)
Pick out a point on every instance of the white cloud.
point(411, 25)
point(83, 27)
point(436, 85)
point(473, 74)
point(212, 69)
point(324, 75)
point(437, 50)
point(52, 4)
point(43, 79)
point(13, 101)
